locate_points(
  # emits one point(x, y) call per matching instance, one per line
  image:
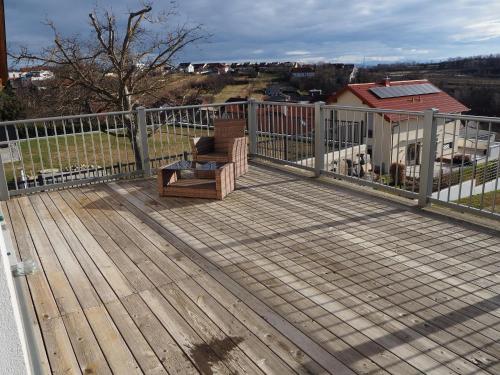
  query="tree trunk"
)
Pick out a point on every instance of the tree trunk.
point(132, 127)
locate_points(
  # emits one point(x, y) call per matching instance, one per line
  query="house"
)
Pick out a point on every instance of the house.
point(186, 67)
point(217, 68)
point(200, 68)
point(391, 138)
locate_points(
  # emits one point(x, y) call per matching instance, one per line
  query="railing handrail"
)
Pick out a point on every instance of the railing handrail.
point(69, 117)
point(440, 115)
point(457, 116)
point(374, 110)
point(195, 106)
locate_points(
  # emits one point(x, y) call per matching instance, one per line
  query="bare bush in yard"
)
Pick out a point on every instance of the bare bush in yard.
point(398, 173)
point(119, 62)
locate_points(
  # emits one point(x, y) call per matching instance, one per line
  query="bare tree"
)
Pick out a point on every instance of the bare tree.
point(118, 63)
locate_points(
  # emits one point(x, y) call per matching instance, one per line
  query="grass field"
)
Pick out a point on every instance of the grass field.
point(487, 203)
point(249, 87)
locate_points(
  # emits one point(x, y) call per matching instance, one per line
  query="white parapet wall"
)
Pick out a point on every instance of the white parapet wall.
point(13, 349)
point(456, 192)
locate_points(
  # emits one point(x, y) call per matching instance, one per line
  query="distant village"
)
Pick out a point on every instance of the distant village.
point(278, 92)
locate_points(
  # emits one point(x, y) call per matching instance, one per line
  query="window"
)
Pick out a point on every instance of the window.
point(413, 154)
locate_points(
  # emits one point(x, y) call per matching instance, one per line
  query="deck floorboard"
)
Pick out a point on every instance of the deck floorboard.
point(286, 275)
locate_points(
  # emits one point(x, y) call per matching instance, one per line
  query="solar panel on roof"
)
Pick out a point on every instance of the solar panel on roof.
point(404, 90)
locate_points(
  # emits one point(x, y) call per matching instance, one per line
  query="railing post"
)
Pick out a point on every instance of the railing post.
point(319, 138)
point(428, 157)
point(252, 125)
point(4, 188)
point(142, 134)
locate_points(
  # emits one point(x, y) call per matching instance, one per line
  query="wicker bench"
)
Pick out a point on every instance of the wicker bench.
point(228, 145)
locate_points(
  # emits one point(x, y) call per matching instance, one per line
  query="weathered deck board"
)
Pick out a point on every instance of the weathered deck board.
point(287, 275)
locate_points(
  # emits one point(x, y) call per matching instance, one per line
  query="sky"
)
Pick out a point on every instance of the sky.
point(349, 31)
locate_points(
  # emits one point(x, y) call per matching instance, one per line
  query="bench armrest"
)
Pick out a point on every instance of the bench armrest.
point(237, 149)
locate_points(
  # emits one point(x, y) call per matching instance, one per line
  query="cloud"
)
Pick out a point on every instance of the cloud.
point(297, 53)
point(478, 32)
point(294, 29)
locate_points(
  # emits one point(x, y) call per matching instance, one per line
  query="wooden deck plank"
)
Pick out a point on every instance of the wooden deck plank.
point(314, 350)
point(489, 349)
point(142, 210)
point(136, 254)
point(61, 356)
point(121, 261)
point(113, 275)
point(268, 338)
point(448, 354)
point(417, 340)
point(225, 346)
point(334, 345)
point(142, 351)
point(203, 356)
point(171, 355)
point(286, 275)
point(169, 269)
point(40, 355)
point(262, 355)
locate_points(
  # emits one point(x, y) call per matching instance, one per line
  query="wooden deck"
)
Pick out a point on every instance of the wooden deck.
point(286, 275)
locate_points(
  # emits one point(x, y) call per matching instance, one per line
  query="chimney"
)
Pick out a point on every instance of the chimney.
point(386, 81)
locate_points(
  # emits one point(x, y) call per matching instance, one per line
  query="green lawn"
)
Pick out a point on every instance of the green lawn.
point(475, 201)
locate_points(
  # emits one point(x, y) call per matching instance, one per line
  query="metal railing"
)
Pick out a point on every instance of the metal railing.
point(170, 129)
point(431, 157)
point(64, 150)
point(428, 156)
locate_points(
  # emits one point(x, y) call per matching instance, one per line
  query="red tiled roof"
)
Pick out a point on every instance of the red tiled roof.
point(441, 100)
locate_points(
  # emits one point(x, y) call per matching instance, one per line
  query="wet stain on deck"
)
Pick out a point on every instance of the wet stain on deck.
point(204, 355)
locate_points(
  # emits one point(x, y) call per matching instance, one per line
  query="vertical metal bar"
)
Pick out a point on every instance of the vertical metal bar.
point(462, 164)
point(429, 154)
point(58, 151)
point(485, 165)
point(118, 149)
point(252, 126)
point(23, 175)
point(451, 159)
point(441, 160)
point(474, 165)
point(111, 162)
point(353, 121)
point(94, 151)
point(153, 133)
point(143, 141)
point(49, 153)
point(11, 158)
point(85, 154)
point(319, 138)
point(102, 147)
point(28, 140)
point(4, 187)
point(40, 155)
point(65, 136)
point(78, 164)
point(496, 184)
point(160, 125)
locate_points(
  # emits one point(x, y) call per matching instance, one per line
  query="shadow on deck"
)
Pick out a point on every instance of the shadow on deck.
point(286, 275)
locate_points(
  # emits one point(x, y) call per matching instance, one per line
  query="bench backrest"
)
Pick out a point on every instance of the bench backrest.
point(225, 131)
